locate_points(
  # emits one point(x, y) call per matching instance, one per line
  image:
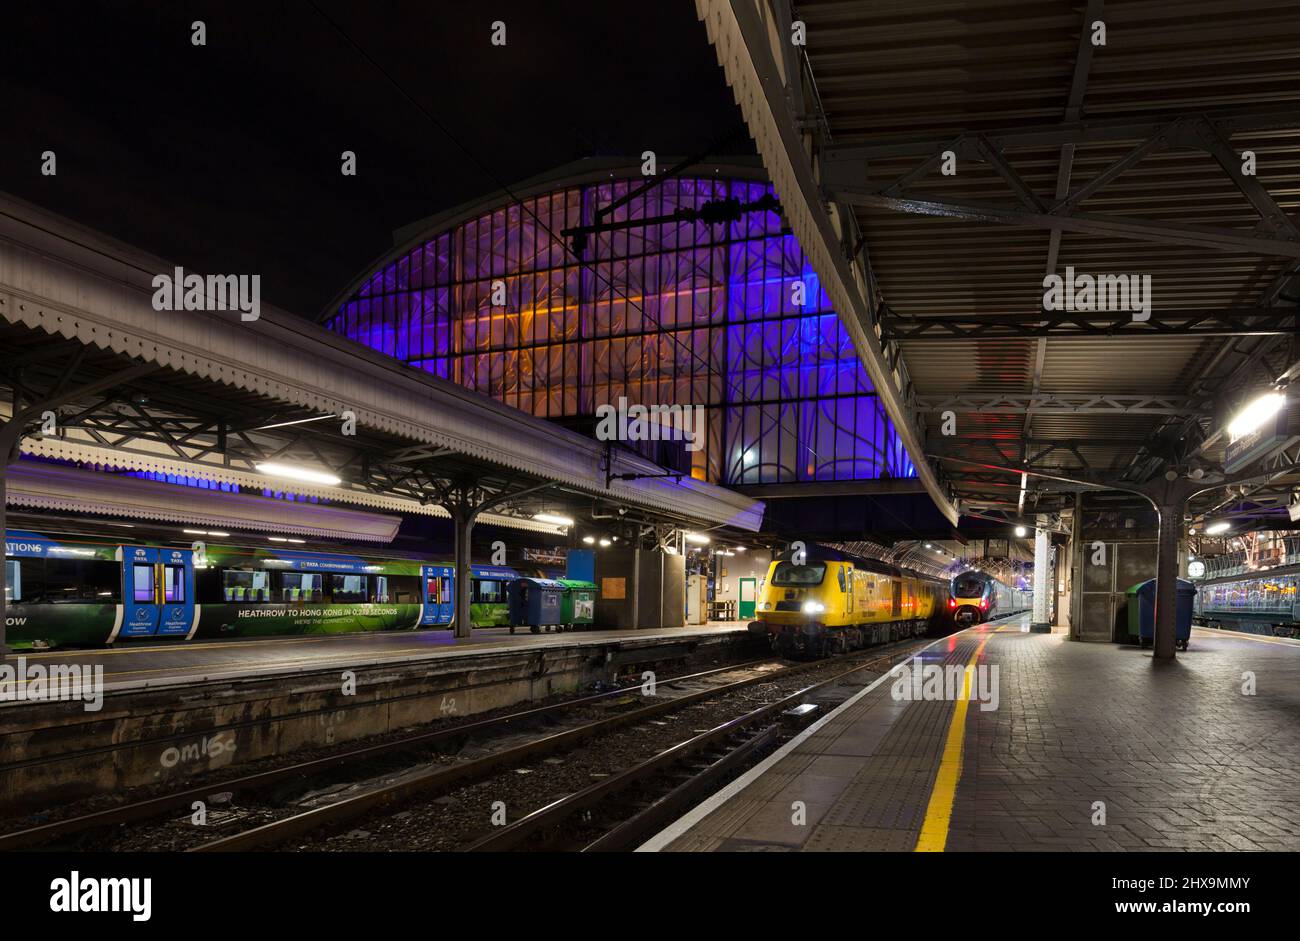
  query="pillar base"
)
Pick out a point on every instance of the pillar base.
point(1040, 628)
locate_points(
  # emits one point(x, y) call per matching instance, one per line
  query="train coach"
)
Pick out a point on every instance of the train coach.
point(819, 608)
point(976, 597)
point(78, 591)
point(1257, 604)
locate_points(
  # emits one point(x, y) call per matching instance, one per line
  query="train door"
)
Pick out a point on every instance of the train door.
point(439, 596)
point(175, 578)
point(897, 585)
point(748, 596)
point(141, 601)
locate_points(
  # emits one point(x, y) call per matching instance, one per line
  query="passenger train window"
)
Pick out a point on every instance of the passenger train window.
point(349, 588)
point(299, 586)
point(142, 583)
point(174, 584)
point(13, 580)
point(403, 589)
point(487, 591)
point(78, 581)
point(245, 585)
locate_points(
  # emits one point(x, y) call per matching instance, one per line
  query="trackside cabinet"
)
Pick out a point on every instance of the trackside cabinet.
point(536, 603)
point(578, 605)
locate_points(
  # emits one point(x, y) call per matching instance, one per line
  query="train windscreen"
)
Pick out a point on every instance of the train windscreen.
point(966, 586)
point(789, 575)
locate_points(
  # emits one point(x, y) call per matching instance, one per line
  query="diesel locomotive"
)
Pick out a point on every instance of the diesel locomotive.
point(820, 608)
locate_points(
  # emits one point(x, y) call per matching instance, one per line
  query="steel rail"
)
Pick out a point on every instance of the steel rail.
point(442, 778)
point(156, 806)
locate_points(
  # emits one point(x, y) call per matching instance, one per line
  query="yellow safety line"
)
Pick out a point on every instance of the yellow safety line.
point(938, 814)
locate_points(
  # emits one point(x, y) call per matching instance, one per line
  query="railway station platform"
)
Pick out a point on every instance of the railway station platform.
point(156, 665)
point(187, 710)
point(1087, 747)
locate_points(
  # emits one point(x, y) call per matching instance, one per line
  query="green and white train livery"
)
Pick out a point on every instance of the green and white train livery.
point(64, 592)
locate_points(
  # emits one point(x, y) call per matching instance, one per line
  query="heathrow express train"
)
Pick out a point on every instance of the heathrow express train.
point(1254, 604)
point(976, 597)
point(77, 591)
point(820, 608)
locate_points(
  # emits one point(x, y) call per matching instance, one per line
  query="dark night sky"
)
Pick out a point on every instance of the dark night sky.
point(225, 158)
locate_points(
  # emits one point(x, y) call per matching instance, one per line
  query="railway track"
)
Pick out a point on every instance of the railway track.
point(159, 806)
point(730, 743)
point(624, 800)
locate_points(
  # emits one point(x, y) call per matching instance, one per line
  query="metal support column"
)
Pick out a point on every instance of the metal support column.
point(1042, 603)
point(1171, 528)
point(636, 585)
point(463, 522)
point(1078, 551)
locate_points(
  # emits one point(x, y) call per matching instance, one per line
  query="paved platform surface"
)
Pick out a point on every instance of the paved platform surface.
point(1180, 756)
point(157, 664)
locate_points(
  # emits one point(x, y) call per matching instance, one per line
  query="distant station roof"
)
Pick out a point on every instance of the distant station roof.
point(202, 393)
point(949, 156)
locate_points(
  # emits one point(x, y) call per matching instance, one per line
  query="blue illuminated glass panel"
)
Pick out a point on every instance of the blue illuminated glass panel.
point(669, 312)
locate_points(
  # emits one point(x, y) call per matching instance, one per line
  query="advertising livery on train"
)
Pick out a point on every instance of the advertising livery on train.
point(80, 592)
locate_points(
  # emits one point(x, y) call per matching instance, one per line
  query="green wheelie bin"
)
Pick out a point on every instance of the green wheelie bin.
point(578, 606)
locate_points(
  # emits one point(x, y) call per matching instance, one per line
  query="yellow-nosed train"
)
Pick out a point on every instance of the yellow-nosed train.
point(819, 608)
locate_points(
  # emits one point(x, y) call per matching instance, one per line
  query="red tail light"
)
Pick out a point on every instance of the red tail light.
point(984, 602)
point(952, 602)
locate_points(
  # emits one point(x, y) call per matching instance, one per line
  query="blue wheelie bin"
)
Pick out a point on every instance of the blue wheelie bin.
point(1142, 608)
point(537, 603)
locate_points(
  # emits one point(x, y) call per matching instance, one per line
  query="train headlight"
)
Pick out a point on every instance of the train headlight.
point(813, 607)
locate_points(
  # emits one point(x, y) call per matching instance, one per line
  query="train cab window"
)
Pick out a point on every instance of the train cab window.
point(174, 584)
point(349, 588)
point(82, 581)
point(789, 575)
point(245, 585)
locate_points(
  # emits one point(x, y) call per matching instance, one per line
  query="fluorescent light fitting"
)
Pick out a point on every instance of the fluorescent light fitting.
point(553, 518)
point(1255, 414)
point(305, 474)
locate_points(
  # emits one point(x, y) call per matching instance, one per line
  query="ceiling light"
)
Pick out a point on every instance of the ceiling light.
point(740, 548)
point(1255, 414)
point(698, 538)
point(604, 542)
point(305, 474)
point(553, 518)
point(589, 539)
point(1222, 526)
point(1020, 530)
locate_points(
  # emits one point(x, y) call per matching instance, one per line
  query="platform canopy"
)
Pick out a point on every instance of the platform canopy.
point(205, 394)
point(939, 161)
